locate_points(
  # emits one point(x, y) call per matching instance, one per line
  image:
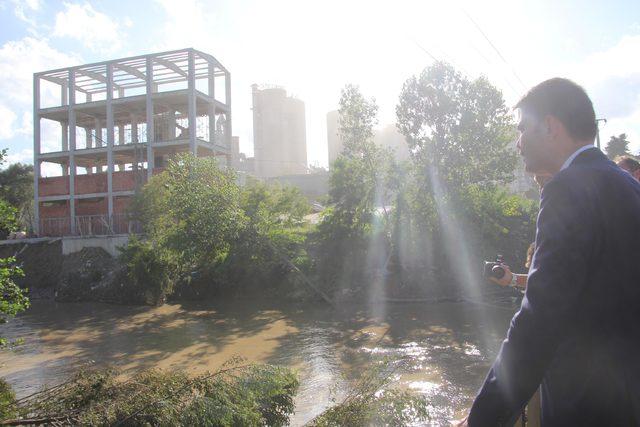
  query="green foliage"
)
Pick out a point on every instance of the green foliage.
point(192, 209)
point(617, 146)
point(449, 197)
point(13, 299)
point(8, 407)
point(460, 127)
point(8, 219)
point(201, 225)
point(372, 402)
point(150, 270)
point(356, 118)
point(16, 184)
point(16, 193)
point(247, 395)
point(357, 187)
point(16, 188)
point(503, 223)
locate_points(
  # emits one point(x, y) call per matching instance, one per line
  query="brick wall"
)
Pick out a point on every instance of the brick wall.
point(53, 186)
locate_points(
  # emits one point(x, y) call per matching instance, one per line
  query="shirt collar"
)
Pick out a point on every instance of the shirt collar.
point(576, 153)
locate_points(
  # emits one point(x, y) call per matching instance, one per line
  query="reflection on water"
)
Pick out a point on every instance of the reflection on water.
point(443, 350)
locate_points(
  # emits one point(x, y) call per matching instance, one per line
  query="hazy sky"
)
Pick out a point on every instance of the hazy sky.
point(314, 48)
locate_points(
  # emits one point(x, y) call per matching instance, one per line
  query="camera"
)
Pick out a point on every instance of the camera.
point(494, 268)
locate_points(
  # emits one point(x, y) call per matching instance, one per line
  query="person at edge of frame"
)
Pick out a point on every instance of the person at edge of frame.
point(577, 332)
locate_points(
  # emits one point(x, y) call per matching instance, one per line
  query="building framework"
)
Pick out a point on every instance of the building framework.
point(103, 129)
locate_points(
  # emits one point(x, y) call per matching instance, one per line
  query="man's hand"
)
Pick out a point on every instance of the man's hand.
point(506, 279)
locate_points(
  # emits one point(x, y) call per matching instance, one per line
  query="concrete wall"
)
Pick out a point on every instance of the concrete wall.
point(108, 243)
point(312, 185)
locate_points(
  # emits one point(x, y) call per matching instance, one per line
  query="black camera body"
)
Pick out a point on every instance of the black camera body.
point(494, 268)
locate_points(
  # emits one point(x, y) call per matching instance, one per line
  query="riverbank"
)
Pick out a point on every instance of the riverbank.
point(445, 348)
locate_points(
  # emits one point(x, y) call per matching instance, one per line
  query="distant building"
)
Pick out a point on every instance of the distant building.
point(387, 137)
point(234, 153)
point(279, 133)
point(334, 142)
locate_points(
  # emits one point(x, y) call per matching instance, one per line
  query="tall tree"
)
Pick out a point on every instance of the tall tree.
point(460, 127)
point(617, 146)
point(357, 117)
point(356, 188)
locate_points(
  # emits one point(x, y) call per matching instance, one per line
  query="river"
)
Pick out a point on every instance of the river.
point(446, 348)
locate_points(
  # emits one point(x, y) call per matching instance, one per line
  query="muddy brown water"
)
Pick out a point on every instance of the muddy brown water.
point(442, 350)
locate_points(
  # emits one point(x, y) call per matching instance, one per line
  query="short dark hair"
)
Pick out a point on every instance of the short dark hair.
point(628, 163)
point(565, 100)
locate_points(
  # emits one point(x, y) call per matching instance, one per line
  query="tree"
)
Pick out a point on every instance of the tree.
point(356, 118)
point(193, 210)
point(357, 186)
point(458, 128)
point(16, 184)
point(617, 146)
point(16, 188)
point(202, 227)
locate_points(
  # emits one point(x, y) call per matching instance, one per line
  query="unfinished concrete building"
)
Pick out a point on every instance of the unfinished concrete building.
point(279, 133)
point(102, 130)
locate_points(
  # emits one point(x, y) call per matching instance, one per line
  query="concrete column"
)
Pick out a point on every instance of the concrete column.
point(64, 94)
point(170, 125)
point(120, 134)
point(36, 152)
point(72, 149)
point(134, 128)
point(150, 136)
point(191, 100)
point(110, 138)
point(65, 135)
point(98, 132)
point(212, 104)
point(228, 129)
point(88, 139)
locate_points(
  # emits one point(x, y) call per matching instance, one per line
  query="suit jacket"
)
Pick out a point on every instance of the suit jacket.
point(577, 333)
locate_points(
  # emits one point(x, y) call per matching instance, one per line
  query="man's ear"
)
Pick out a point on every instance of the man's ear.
point(553, 128)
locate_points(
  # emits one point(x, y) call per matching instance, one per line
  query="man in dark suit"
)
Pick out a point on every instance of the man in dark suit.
point(577, 333)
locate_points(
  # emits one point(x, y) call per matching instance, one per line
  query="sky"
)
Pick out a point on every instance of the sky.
point(315, 48)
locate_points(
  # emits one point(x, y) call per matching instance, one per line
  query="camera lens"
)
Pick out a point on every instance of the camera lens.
point(497, 272)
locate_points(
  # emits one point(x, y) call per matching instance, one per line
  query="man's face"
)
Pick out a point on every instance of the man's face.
point(534, 144)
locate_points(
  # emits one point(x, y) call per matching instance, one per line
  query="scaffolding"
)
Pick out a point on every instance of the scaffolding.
point(109, 126)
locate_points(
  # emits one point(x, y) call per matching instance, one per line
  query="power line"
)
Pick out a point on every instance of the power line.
point(495, 48)
point(424, 50)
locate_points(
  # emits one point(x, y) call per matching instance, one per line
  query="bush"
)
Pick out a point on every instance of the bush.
point(207, 234)
point(152, 271)
point(13, 299)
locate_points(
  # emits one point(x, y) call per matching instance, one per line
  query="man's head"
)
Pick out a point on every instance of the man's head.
point(556, 118)
point(629, 164)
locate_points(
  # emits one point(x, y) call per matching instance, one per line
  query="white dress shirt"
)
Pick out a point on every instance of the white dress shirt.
point(575, 154)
